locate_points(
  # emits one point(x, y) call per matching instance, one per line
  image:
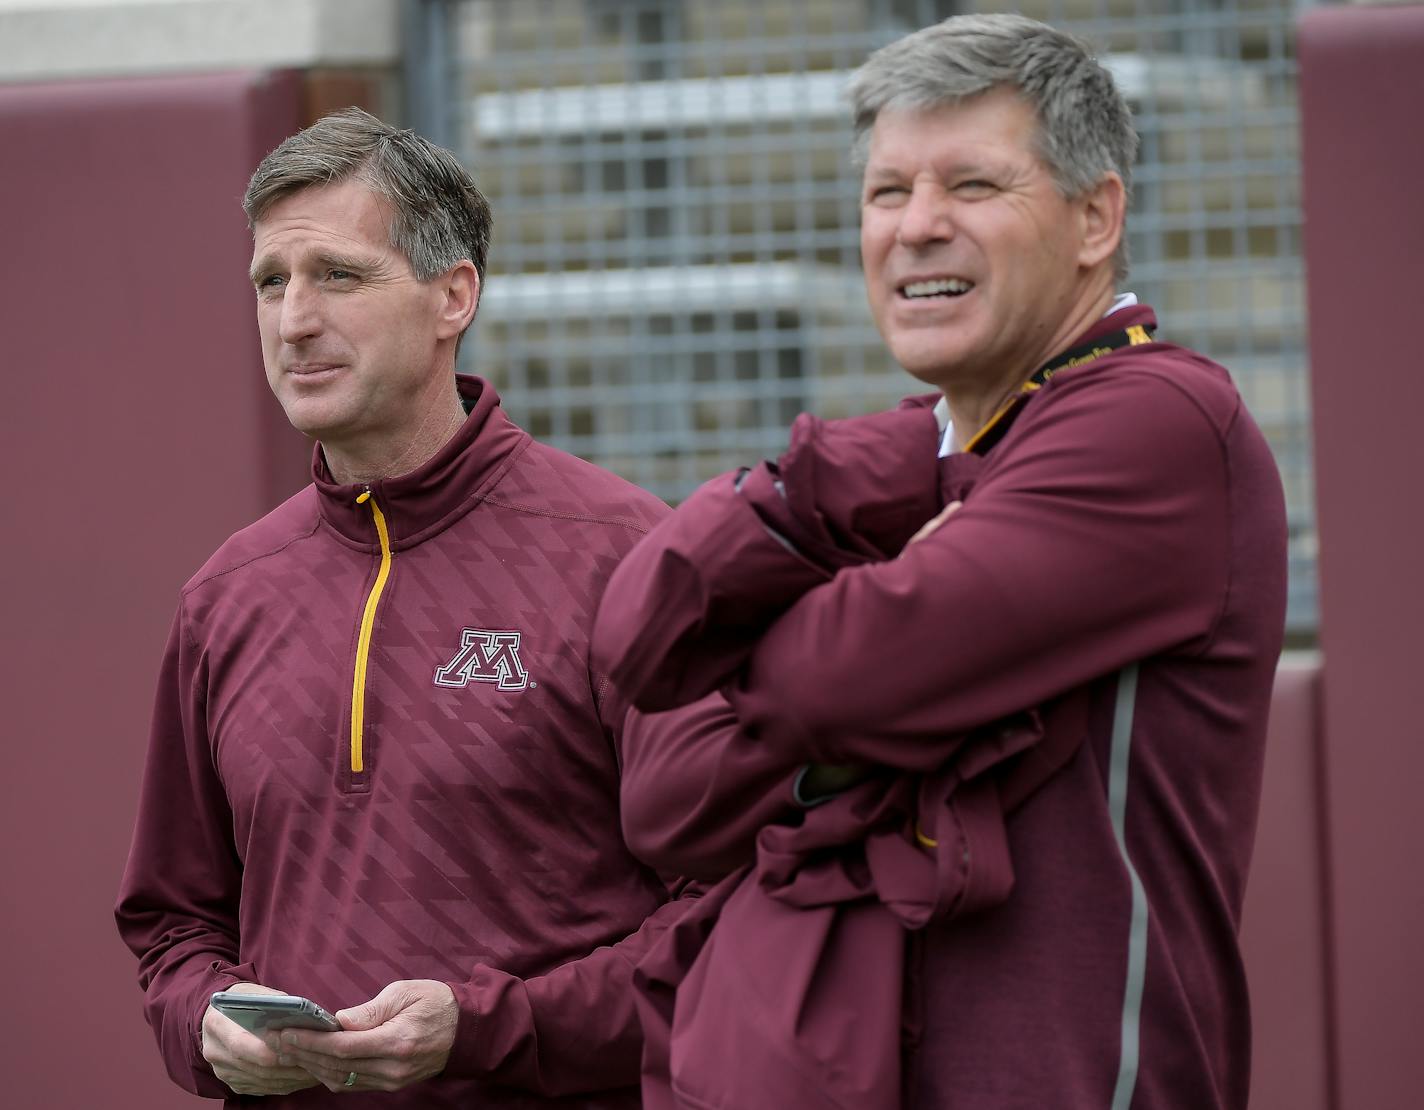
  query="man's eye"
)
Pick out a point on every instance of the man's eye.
point(975, 187)
point(340, 275)
point(886, 194)
point(271, 281)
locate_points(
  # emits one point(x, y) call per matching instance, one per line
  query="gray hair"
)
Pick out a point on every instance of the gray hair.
point(440, 217)
point(1084, 125)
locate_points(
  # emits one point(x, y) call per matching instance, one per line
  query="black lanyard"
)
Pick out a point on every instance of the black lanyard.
point(992, 432)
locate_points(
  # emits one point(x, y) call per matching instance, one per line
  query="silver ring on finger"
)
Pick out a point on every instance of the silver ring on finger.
point(351, 1078)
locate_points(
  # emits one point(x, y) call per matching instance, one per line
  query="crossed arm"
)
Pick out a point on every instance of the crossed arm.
point(1099, 540)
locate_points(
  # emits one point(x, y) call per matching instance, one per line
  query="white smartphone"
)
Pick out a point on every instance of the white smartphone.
point(257, 1012)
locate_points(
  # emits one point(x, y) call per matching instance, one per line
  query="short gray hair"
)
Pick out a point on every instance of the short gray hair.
point(439, 217)
point(1084, 125)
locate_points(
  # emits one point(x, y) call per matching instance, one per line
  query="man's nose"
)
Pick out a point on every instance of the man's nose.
point(301, 312)
point(926, 217)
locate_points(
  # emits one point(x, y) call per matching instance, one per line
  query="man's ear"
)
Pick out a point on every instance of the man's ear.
point(1102, 210)
point(460, 296)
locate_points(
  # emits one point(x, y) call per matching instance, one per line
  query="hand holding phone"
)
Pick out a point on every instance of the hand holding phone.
point(260, 1012)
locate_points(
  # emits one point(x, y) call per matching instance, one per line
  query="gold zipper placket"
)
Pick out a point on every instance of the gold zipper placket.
point(363, 641)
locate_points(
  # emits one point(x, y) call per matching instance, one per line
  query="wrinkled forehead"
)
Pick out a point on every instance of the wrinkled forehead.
point(346, 212)
point(996, 125)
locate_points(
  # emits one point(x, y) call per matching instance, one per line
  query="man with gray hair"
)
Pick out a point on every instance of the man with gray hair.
point(382, 773)
point(995, 666)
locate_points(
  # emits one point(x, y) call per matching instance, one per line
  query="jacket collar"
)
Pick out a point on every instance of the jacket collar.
point(959, 470)
point(428, 499)
point(1123, 315)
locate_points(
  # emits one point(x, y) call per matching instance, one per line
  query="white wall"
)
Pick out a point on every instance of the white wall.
point(56, 39)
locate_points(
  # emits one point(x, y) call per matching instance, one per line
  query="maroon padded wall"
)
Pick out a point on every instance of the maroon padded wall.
point(1362, 85)
point(1283, 928)
point(138, 432)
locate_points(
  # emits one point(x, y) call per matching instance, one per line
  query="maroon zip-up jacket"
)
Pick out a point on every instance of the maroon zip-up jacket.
point(464, 830)
point(1124, 543)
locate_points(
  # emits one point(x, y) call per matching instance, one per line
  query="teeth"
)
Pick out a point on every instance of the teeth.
point(952, 286)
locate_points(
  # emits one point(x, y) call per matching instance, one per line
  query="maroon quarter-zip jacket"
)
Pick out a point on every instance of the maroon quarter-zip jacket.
point(1124, 542)
point(379, 753)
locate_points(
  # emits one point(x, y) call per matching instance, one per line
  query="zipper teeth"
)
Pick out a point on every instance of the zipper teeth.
point(363, 642)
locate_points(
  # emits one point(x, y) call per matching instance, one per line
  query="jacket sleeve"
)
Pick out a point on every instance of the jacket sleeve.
point(178, 902)
point(684, 610)
point(685, 607)
point(574, 1029)
point(697, 789)
point(1101, 537)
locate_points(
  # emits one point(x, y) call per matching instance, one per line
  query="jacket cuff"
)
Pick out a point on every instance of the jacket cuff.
point(202, 1081)
point(494, 1036)
point(859, 488)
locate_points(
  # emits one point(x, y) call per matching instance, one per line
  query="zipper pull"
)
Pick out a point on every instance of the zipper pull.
point(364, 497)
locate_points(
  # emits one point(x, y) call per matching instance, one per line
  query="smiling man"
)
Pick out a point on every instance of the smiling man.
point(984, 680)
point(382, 773)
point(977, 265)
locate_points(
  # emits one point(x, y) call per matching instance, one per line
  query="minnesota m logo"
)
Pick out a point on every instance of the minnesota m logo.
point(485, 657)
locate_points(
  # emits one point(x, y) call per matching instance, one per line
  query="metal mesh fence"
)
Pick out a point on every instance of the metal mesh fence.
point(675, 271)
